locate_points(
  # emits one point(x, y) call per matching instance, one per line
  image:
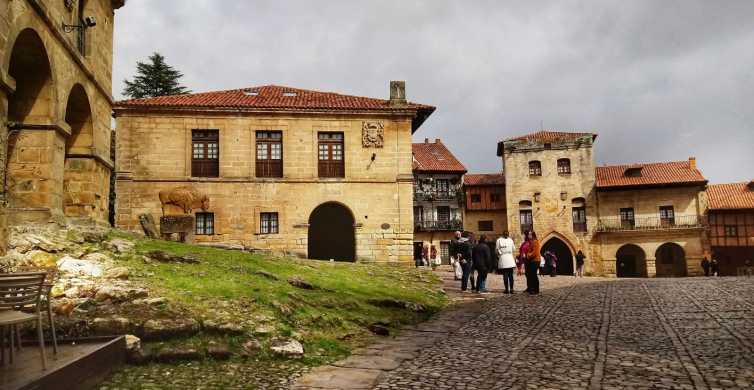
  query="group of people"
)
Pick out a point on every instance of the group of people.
point(429, 257)
point(710, 267)
point(476, 257)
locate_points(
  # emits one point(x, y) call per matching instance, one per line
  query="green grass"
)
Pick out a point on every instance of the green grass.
point(330, 320)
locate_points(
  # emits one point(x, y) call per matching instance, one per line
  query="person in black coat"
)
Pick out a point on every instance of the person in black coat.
point(482, 260)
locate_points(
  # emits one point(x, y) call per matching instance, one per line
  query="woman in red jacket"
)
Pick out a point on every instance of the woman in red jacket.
point(532, 265)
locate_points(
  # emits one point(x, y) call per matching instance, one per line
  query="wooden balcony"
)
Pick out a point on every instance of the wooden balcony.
point(679, 222)
point(434, 196)
point(434, 226)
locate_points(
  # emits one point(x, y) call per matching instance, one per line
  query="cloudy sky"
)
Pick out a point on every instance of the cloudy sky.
point(657, 80)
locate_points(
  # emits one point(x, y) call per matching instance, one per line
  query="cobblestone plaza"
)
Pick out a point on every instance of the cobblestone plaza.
point(595, 333)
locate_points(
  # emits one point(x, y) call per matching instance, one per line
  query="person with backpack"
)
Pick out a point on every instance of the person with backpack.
point(504, 248)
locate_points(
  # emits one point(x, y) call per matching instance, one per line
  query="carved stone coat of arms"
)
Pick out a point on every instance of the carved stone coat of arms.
point(373, 135)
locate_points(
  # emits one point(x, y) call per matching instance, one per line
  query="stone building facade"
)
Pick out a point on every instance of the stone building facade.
point(484, 204)
point(731, 226)
point(55, 108)
point(314, 174)
point(629, 220)
point(438, 198)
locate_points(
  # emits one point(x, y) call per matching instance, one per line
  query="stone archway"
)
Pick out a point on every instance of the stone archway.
point(78, 115)
point(563, 253)
point(79, 190)
point(33, 100)
point(670, 260)
point(631, 262)
point(331, 233)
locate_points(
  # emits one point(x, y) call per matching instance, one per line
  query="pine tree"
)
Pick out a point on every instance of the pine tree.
point(154, 79)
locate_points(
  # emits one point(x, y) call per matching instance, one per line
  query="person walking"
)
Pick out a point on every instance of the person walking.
point(580, 263)
point(425, 255)
point(504, 248)
point(705, 265)
point(714, 267)
point(454, 260)
point(482, 259)
point(533, 257)
point(522, 257)
point(465, 260)
point(552, 263)
point(433, 261)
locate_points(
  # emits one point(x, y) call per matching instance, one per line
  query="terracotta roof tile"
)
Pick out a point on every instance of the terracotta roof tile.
point(484, 179)
point(435, 157)
point(664, 173)
point(731, 196)
point(550, 136)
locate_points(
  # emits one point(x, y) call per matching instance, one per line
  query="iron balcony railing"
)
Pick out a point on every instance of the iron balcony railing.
point(429, 226)
point(425, 195)
point(616, 224)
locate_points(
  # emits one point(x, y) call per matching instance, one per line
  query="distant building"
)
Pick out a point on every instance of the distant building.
point(731, 226)
point(629, 220)
point(314, 174)
point(484, 204)
point(438, 213)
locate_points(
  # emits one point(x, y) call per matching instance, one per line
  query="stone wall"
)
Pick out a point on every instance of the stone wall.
point(499, 220)
point(154, 153)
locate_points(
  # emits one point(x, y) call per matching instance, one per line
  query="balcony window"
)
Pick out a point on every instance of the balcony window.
point(476, 198)
point(667, 216)
point(527, 220)
point(205, 154)
point(627, 218)
point(564, 166)
point(535, 168)
point(731, 230)
point(331, 159)
point(443, 213)
point(579, 219)
point(269, 154)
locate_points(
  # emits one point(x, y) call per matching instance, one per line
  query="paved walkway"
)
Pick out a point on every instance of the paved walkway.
point(589, 333)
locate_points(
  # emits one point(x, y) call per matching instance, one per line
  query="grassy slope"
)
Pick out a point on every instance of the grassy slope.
point(329, 321)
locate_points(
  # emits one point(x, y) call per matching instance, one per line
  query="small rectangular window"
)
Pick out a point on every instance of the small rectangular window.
point(269, 154)
point(205, 224)
point(495, 197)
point(535, 168)
point(205, 153)
point(486, 226)
point(330, 155)
point(526, 220)
point(579, 219)
point(564, 166)
point(268, 223)
point(731, 231)
point(476, 198)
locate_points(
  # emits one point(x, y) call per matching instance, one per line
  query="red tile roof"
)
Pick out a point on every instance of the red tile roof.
point(484, 179)
point(273, 98)
point(731, 196)
point(550, 136)
point(435, 157)
point(651, 174)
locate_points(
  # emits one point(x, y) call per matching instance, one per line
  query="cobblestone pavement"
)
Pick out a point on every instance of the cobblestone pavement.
point(594, 333)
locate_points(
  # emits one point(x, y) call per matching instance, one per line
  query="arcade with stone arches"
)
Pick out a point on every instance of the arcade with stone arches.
point(564, 251)
point(669, 261)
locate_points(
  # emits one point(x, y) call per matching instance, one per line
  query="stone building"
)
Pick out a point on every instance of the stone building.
point(629, 220)
point(438, 197)
point(315, 174)
point(55, 107)
point(731, 226)
point(484, 204)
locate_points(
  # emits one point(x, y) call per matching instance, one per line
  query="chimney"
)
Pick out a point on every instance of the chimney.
point(692, 162)
point(426, 140)
point(437, 140)
point(397, 93)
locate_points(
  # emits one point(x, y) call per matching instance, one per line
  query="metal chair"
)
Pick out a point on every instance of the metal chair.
point(46, 299)
point(18, 291)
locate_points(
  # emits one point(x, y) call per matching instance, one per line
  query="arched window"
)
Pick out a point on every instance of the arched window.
point(564, 166)
point(535, 168)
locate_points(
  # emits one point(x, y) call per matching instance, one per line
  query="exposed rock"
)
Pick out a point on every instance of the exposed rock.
point(156, 301)
point(63, 307)
point(221, 245)
point(166, 328)
point(398, 304)
point(225, 328)
point(78, 266)
point(117, 273)
point(379, 329)
point(148, 225)
point(219, 352)
point(46, 244)
point(41, 259)
point(287, 347)
point(98, 257)
point(266, 274)
point(119, 294)
point(301, 283)
point(175, 354)
point(165, 257)
point(252, 346)
point(111, 326)
point(119, 245)
point(94, 236)
point(134, 353)
point(132, 342)
point(263, 330)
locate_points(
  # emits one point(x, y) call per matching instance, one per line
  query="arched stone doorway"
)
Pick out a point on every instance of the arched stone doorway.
point(563, 252)
point(331, 233)
point(33, 183)
point(670, 260)
point(79, 190)
point(631, 262)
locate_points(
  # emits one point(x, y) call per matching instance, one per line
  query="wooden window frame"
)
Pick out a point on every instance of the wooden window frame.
point(269, 223)
point(564, 166)
point(203, 228)
point(475, 198)
point(530, 220)
point(579, 224)
point(331, 167)
point(266, 164)
point(667, 216)
point(535, 168)
point(495, 197)
point(625, 221)
point(730, 230)
point(486, 225)
point(205, 153)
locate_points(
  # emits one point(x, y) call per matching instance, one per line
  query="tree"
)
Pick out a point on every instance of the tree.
point(154, 79)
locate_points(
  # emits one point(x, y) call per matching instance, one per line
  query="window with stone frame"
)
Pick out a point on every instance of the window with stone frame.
point(205, 224)
point(331, 155)
point(535, 168)
point(526, 220)
point(485, 226)
point(564, 166)
point(579, 219)
point(205, 153)
point(268, 223)
point(269, 154)
point(667, 216)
